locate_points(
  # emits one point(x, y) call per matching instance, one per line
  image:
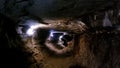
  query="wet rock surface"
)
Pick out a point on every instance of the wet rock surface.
point(96, 46)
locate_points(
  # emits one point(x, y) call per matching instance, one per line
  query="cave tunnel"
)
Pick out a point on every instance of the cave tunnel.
point(59, 34)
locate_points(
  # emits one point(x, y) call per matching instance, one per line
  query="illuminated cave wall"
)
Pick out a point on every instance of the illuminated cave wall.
point(97, 47)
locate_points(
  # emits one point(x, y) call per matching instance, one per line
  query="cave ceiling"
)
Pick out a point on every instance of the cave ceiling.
point(52, 8)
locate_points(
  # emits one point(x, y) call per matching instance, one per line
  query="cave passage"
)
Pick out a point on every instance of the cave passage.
point(59, 34)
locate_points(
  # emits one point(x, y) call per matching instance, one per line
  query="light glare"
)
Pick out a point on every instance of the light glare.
point(30, 31)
